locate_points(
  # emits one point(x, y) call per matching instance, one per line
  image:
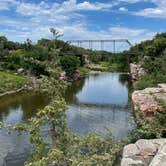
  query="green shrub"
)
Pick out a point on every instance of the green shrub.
point(69, 63)
point(95, 58)
point(150, 80)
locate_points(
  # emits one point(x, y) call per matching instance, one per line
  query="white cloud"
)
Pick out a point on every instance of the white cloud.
point(152, 12)
point(123, 9)
point(35, 19)
point(67, 6)
point(81, 32)
point(157, 12)
point(131, 1)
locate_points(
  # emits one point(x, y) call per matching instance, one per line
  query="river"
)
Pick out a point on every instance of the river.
point(98, 104)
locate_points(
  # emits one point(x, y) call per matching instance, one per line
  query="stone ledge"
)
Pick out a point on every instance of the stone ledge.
point(144, 153)
point(144, 100)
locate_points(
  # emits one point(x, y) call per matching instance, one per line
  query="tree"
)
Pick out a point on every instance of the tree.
point(56, 34)
point(70, 63)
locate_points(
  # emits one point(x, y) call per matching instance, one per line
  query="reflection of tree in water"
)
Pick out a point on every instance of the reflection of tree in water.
point(8, 103)
point(72, 90)
point(29, 102)
point(125, 80)
point(32, 103)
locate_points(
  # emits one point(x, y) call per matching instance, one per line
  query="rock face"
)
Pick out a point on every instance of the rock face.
point(145, 100)
point(145, 153)
point(87, 63)
point(136, 71)
point(76, 75)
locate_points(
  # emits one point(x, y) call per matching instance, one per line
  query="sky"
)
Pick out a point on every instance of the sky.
point(135, 20)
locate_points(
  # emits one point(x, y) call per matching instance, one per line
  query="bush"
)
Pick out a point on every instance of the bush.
point(15, 60)
point(149, 80)
point(69, 63)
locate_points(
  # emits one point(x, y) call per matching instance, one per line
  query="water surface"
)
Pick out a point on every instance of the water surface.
point(98, 104)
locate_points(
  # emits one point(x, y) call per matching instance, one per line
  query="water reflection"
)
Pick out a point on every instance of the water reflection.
point(101, 105)
point(98, 104)
point(20, 107)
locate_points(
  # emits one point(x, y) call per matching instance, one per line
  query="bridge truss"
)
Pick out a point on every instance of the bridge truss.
point(91, 44)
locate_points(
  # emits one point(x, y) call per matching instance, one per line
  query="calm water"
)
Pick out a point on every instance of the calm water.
point(98, 104)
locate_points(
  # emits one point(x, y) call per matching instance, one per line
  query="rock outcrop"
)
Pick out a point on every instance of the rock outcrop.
point(136, 71)
point(145, 100)
point(145, 153)
point(73, 76)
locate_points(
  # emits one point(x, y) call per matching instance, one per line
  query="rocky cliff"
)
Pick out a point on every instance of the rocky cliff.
point(136, 71)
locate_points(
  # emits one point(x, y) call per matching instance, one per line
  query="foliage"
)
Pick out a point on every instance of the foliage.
point(151, 130)
point(151, 55)
point(69, 63)
point(33, 58)
point(10, 81)
point(149, 80)
point(66, 148)
point(117, 62)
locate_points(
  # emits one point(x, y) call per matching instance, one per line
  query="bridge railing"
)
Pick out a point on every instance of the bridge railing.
point(102, 43)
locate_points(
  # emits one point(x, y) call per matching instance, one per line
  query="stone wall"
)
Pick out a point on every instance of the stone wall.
point(145, 153)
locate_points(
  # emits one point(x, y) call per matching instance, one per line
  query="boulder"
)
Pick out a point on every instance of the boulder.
point(130, 150)
point(145, 153)
point(145, 100)
point(136, 71)
point(147, 147)
point(160, 157)
point(72, 76)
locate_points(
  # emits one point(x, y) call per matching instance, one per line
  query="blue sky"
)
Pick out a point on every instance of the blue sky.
point(135, 20)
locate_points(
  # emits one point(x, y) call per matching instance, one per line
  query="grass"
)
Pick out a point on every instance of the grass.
point(113, 67)
point(9, 81)
point(84, 71)
point(149, 80)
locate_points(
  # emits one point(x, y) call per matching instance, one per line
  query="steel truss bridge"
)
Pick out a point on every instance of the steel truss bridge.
point(101, 43)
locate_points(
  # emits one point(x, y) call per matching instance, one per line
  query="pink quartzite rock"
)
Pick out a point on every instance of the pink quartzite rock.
point(145, 100)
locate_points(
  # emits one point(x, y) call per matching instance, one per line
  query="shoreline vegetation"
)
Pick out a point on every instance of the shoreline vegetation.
point(10, 82)
point(47, 60)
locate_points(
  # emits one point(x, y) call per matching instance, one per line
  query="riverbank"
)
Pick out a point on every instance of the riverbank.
point(149, 107)
point(11, 83)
